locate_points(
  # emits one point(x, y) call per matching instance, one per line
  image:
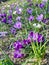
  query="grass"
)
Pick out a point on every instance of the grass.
point(8, 2)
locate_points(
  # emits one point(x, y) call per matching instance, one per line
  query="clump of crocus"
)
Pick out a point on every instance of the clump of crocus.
point(36, 37)
point(17, 49)
point(32, 38)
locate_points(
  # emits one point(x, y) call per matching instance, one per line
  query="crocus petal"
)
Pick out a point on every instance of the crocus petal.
point(18, 25)
point(40, 17)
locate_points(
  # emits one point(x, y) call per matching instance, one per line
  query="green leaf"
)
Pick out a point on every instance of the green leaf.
point(7, 62)
point(0, 62)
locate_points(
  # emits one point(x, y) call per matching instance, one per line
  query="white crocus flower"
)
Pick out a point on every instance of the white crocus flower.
point(20, 9)
point(38, 26)
point(8, 5)
point(14, 12)
point(34, 24)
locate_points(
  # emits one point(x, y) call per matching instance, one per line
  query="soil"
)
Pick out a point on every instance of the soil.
point(47, 57)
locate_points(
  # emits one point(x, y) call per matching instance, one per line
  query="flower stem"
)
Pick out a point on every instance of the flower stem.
point(39, 63)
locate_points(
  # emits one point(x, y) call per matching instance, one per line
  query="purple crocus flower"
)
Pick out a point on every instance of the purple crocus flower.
point(18, 18)
point(31, 18)
point(18, 54)
point(15, 55)
point(26, 41)
point(35, 36)
point(2, 34)
point(29, 10)
point(40, 38)
point(18, 10)
point(40, 17)
point(31, 34)
point(13, 30)
point(29, 37)
point(10, 17)
point(9, 21)
point(29, 41)
point(18, 45)
point(0, 15)
point(15, 45)
point(4, 14)
point(45, 20)
point(18, 25)
point(4, 20)
point(10, 11)
point(12, 6)
point(41, 5)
